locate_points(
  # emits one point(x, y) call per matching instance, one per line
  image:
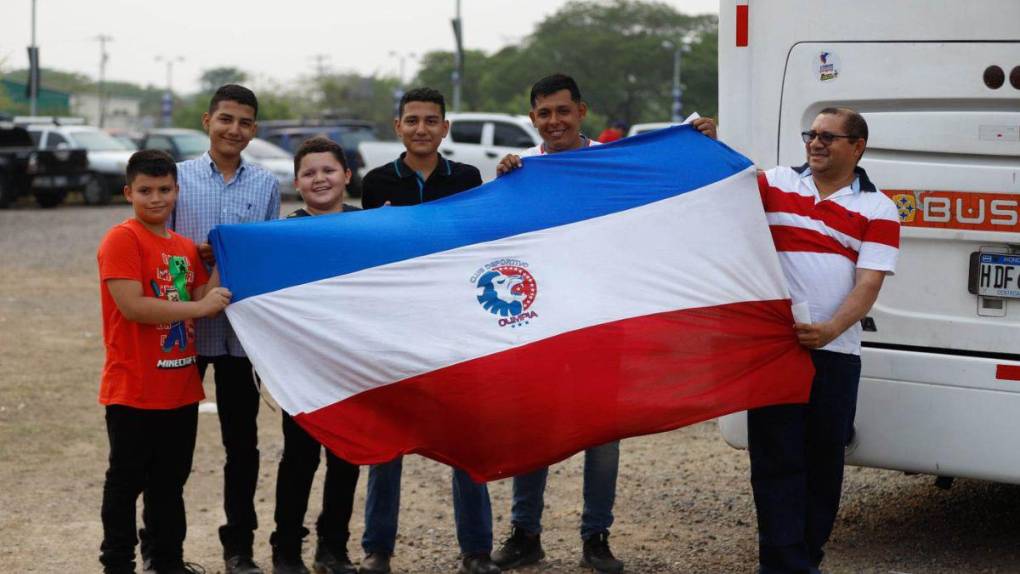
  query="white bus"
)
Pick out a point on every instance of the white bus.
point(939, 84)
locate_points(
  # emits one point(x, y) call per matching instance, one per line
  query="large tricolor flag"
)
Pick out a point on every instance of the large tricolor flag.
point(609, 292)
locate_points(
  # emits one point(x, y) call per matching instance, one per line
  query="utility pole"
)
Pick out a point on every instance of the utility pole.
point(167, 107)
point(33, 70)
point(320, 65)
point(101, 86)
point(458, 59)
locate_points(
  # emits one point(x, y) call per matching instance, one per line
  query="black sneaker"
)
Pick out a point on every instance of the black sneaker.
point(520, 549)
point(375, 563)
point(289, 565)
point(241, 564)
point(478, 564)
point(597, 555)
point(327, 562)
point(180, 568)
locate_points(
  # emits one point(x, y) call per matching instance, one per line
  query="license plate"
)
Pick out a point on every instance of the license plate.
point(995, 275)
point(60, 181)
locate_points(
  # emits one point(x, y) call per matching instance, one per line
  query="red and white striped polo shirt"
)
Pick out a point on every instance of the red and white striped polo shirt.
point(822, 242)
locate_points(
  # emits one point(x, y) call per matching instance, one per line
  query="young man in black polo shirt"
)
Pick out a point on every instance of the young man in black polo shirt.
point(420, 174)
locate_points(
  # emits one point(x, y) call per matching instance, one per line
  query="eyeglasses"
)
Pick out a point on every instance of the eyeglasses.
point(825, 137)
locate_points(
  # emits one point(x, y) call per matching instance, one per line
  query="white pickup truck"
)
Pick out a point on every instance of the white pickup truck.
point(478, 139)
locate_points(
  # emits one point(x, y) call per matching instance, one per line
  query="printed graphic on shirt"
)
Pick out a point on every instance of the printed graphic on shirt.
point(171, 283)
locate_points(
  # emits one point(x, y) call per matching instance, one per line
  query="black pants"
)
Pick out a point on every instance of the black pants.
point(150, 452)
point(797, 465)
point(301, 454)
point(237, 403)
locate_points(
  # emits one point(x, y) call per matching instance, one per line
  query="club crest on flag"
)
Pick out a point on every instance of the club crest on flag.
point(507, 289)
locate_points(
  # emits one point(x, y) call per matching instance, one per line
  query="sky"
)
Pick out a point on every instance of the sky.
point(275, 41)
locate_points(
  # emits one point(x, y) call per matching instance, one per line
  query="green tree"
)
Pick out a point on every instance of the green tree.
point(188, 109)
point(213, 78)
point(614, 49)
point(437, 72)
point(6, 104)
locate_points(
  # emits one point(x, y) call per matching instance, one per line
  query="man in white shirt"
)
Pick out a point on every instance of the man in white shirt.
point(837, 237)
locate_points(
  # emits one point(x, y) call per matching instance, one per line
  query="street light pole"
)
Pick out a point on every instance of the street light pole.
point(458, 59)
point(684, 45)
point(398, 93)
point(678, 92)
point(100, 87)
point(402, 57)
point(168, 97)
point(33, 51)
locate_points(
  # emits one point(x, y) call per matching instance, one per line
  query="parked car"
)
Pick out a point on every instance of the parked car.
point(184, 144)
point(180, 143)
point(478, 139)
point(107, 157)
point(350, 134)
point(129, 138)
point(48, 174)
point(642, 128)
point(277, 160)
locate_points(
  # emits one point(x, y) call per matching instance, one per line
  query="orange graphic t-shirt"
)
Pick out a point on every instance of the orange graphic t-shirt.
point(149, 366)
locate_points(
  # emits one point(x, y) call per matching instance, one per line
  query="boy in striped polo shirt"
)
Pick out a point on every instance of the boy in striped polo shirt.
point(837, 238)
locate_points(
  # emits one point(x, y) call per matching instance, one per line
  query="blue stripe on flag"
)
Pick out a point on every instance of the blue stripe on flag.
point(549, 191)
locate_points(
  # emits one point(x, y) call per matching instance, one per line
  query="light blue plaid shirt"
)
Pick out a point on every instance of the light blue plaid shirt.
point(206, 201)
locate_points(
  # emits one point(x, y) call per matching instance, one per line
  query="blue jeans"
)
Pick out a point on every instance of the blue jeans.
point(601, 464)
point(797, 466)
point(472, 512)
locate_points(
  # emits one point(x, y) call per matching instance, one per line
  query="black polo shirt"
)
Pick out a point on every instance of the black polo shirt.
point(344, 208)
point(398, 184)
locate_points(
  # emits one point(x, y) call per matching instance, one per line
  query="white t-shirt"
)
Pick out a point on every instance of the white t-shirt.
point(822, 242)
point(540, 148)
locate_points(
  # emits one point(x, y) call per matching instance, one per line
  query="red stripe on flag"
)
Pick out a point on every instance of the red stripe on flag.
point(789, 238)
point(1007, 372)
point(742, 25)
point(527, 407)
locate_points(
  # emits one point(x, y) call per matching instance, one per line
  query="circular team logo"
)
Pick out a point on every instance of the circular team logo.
point(506, 289)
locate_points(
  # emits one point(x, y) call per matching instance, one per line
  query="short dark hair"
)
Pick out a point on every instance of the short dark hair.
point(551, 84)
point(853, 122)
point(423, 94)
point(319, 144)
point(150, 162)
point(234, 93)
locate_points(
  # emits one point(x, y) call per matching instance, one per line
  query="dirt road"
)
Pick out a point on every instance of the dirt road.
point(683, 505)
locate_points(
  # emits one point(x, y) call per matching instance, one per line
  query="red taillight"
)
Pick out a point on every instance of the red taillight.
point(1007, 372)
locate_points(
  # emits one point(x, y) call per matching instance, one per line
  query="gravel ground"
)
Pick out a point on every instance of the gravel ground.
point(683, 502)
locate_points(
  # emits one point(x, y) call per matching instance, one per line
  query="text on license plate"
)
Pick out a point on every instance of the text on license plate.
point(995, 275)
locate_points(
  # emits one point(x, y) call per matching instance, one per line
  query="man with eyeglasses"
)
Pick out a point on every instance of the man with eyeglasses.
point(837, 238)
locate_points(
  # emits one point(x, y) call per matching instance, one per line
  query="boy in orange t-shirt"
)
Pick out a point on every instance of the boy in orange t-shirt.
point(152, 285)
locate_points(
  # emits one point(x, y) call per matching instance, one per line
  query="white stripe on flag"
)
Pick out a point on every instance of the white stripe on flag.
point(348, 334)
